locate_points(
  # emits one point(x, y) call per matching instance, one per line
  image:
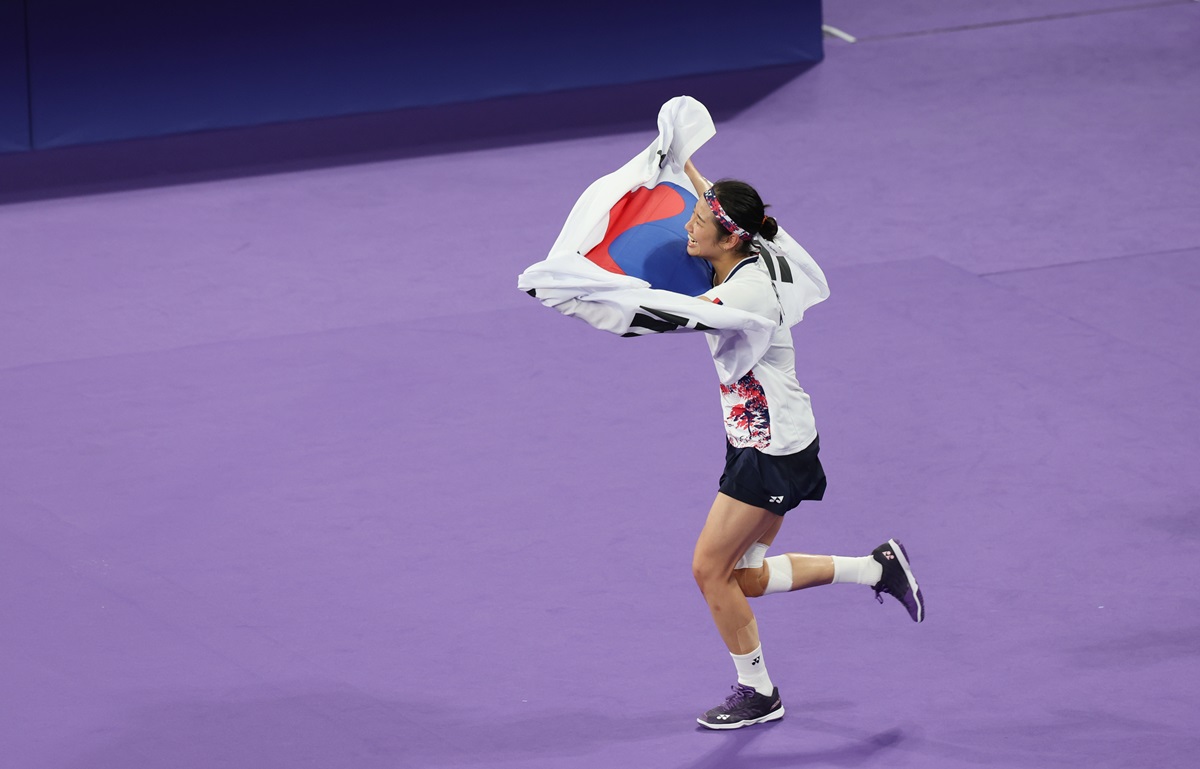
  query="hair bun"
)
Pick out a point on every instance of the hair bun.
point(769, 229)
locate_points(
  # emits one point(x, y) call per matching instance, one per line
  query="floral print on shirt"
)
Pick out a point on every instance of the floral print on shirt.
point(748, 423)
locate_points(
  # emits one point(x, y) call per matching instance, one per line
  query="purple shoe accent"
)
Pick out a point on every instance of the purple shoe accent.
point(898, 579)
point(913, 600)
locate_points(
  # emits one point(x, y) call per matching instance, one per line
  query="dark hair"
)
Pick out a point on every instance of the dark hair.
point(742, 203)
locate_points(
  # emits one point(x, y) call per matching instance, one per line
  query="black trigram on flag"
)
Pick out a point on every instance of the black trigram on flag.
point(652, 321)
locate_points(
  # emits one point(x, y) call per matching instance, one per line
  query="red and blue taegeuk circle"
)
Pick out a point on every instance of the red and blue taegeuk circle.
point(645, 238)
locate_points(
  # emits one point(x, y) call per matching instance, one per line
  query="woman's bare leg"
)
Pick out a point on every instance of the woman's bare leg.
point(731, 528)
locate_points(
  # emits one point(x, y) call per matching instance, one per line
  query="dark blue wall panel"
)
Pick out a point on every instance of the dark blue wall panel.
point(136, 68)
point(14, 99)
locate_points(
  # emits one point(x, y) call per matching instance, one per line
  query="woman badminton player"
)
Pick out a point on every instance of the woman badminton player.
point(771, 463)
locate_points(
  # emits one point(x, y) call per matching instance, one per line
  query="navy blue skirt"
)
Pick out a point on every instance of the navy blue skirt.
point(775, 483)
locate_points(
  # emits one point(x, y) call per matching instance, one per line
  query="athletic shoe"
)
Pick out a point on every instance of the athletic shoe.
point(898, 579)
point(743, 708)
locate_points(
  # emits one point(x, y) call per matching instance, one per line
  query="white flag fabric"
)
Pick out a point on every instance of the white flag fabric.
point(620, 262)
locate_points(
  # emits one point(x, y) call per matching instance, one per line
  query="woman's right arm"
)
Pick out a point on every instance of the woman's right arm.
point(698, 181)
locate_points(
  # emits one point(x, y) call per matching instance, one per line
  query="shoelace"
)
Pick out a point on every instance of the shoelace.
point(882, 587)
point(740, 694)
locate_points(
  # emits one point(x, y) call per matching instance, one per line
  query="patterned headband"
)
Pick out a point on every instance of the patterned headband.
point(723, 217)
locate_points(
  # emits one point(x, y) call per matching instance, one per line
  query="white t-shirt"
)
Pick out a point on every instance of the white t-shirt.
point(766, 409)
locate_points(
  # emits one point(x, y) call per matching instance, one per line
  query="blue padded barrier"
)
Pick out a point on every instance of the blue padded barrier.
point(14, 98)
point(291, 146)
point(142, 68)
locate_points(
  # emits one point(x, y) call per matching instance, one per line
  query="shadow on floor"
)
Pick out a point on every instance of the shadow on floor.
point(728, 753)
point(334, 726)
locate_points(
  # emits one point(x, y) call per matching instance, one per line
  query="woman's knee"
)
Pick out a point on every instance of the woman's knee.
point(708, 571)
point(752, 581)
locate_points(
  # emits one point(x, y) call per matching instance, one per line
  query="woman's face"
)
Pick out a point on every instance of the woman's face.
point(705, 236)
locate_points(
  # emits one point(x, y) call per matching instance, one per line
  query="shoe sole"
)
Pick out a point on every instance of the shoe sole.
point(774, 715)
point(913, 588)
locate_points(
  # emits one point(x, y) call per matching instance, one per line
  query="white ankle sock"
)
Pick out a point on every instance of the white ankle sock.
point(864, 570)
point(752, 671)
point(779, 576)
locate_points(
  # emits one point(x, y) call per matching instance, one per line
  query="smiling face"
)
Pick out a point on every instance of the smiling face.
point(706, 238)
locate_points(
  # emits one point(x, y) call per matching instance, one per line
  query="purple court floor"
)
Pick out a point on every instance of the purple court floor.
point(291, 475)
